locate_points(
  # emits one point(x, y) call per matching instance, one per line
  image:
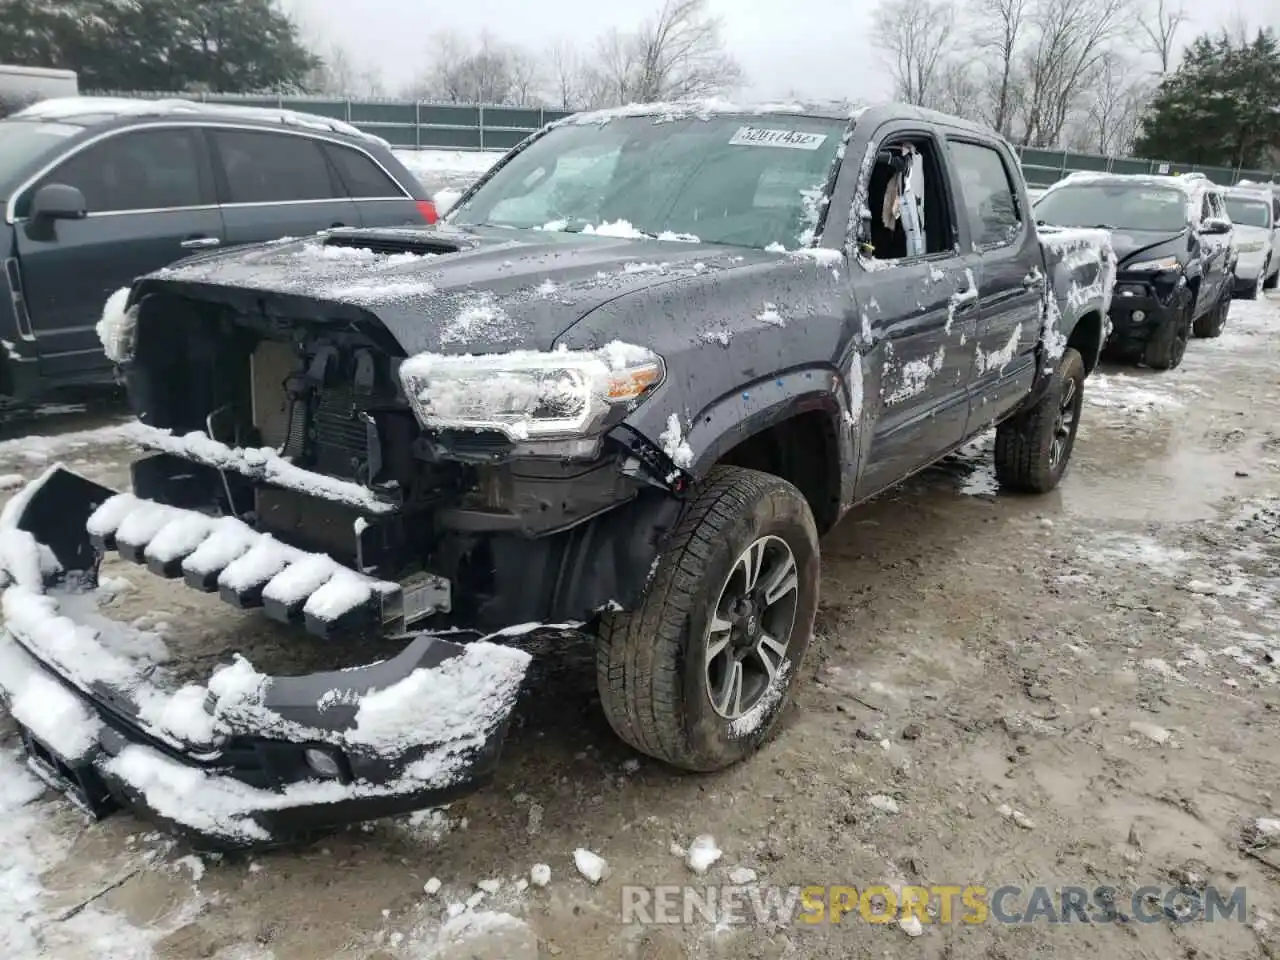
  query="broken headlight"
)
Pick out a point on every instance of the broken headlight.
point(527, 394)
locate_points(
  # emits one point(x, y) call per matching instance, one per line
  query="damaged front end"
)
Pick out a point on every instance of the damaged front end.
point(289, 471)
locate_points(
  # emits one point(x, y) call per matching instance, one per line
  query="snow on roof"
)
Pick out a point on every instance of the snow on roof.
point(68, 108)
point(705, 109)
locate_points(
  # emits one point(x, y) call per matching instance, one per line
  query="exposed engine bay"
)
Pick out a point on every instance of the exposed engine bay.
point(324, 395)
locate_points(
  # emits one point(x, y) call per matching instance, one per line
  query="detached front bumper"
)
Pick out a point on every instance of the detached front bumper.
point(243, 759)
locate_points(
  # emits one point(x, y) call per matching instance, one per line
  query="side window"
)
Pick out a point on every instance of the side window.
point(273, 167)
point(989, 196)
point(906, 175)
point(140, 170)
point(361, 176)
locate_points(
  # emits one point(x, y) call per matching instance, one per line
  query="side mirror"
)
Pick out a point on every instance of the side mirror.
point(57, 201)
point(1215, 226)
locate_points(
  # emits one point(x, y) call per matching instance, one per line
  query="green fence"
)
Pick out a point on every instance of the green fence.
point(456, 126)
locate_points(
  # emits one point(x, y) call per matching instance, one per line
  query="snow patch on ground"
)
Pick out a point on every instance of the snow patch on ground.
point(1129, 393)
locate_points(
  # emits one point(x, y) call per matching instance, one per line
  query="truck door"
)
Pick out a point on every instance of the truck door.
point(1012, 285)
point(149, 201)
point(918, 314)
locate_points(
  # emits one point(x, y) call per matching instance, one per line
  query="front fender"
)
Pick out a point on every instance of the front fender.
point(705, 437)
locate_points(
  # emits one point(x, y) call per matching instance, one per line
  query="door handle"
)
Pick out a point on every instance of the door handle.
point(199, 243)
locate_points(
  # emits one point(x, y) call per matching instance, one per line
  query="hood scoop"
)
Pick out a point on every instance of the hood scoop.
point(393, 243)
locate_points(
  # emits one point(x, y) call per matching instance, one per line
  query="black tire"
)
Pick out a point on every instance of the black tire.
point(1256, 290)
point(1209, 327)
point(1271, 281)
point(1167, 347)
point(1032, 450)
point(652, 668)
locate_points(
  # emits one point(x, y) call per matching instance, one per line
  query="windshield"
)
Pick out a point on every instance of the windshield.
point(1248, 213)
point(749, 182)
point(23, 142)
point(1118, 206)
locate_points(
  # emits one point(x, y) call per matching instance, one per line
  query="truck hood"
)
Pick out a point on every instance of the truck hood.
point(448, 290)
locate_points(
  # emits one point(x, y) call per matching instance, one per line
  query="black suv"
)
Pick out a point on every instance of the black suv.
point(1174, 243)
point(97, 191)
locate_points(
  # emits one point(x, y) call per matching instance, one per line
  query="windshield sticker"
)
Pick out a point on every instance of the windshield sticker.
point(763, 137)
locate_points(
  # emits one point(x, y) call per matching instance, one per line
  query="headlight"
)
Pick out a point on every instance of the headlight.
point(528, 395)
point(1152, 266)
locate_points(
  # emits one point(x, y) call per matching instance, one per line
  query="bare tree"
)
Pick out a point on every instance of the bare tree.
point(339, 76)
point(681, 54)
point(957, 89)
point(1070, 40)
point(525, 74)
point(611, 79)
point(914, 36)
point(1161, 26)
point(1120, 92)
point(1000, 28)
point(564, 75)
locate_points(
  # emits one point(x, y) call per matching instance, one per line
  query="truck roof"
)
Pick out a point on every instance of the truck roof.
point(820, 109)
point(92, 111)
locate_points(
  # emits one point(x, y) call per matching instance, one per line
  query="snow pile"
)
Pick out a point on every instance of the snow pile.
point(117, 326)
point(1129, 393)
point(261, 463)
point(916, 375)
point(618, 228)
point(481, 319)
point(702, 854)
point(999, 359)
point(771, 316)
point(674, 444)
point(432, 706)
point(592, 866)
point(42, 449)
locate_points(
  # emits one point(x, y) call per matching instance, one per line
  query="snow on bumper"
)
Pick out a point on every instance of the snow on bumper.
point(243, 758)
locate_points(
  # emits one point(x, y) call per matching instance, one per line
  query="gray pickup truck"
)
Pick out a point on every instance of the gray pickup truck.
point(624, 387)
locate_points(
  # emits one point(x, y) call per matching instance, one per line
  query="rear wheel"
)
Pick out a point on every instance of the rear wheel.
point(1034, 448)
point(698, 675)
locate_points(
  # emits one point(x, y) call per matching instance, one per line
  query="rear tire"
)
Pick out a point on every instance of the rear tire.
point(1033, 449)
point(1167, 347)
point(1255, 291)
point(1270, 282)
point(666, 671)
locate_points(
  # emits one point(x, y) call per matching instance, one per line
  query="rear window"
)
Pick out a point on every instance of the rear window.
point(273, 167)
point(23, 143)
point(363, 178)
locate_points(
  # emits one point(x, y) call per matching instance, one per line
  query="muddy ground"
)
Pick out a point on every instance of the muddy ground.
point(1102, 661)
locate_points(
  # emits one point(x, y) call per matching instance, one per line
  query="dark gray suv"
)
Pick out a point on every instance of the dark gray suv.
point(97, 191)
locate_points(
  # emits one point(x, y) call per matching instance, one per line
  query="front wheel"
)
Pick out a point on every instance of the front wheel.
point(1034, 447)
point(1168, 345)
point(698, 675)
point(1210, 326)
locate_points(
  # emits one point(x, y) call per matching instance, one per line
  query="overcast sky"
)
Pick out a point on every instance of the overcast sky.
point(823, 52)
